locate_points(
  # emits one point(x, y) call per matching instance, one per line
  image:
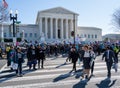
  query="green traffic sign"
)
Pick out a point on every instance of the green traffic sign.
point(18, 22)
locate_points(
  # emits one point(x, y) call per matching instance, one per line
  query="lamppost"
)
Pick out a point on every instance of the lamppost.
point(14, 19)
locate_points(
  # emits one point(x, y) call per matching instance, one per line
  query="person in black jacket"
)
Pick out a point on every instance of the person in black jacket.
point(56, 50)
point(109, 59)
point(74, 56)
point(40, 57)
point(31, 55)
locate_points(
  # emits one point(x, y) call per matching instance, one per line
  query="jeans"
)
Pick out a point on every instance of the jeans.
point(74, 66)
point(42, 62)
point(19, 70)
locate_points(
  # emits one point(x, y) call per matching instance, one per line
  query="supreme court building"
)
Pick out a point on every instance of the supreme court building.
point(53, 24)
point(56, 23)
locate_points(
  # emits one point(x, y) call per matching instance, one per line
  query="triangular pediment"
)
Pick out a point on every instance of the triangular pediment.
point(59, 10)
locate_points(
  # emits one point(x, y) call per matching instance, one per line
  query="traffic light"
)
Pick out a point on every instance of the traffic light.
point(72, 33)
point(17, 28)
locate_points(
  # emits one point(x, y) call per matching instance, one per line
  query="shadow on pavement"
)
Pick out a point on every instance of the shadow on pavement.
point(81, 84)
point(62, 65)
point(11, 74)
point(106, 83)
point(61, 77)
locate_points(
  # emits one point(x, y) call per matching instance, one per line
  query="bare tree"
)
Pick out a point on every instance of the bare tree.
point(116, 19)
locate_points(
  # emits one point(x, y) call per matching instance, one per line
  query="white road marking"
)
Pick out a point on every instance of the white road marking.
point(59, 83)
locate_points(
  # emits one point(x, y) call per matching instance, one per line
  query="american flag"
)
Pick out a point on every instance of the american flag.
point(5, 5)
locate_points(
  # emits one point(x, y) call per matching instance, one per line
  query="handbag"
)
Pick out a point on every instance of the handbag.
point(91, 61)
point(115, 66)
point(14, 66)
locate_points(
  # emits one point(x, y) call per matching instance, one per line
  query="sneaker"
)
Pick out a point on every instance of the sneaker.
point(35, 68)
point(82, 76)
point(17, 75)
point(108, 78)
point(21, 75)
point(86, 77)
point(92, 75)
point(42, 67)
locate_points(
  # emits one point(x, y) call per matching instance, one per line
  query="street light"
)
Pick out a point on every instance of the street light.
point(14, 19)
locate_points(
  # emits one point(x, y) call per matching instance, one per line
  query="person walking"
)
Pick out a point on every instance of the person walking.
point(7, 50)
point(86, 62)
point(116, 51)
point(92, 62)
point(40, 57)
point(74, 56)
point(109, 59)
point(19, 61)
point(31, 55)
point(0, 52)
point(12, 56)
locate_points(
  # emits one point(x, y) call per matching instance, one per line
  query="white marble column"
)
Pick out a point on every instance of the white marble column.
point(62, 36)
point(66, 28)
point(51, 28)
point(40, 28)
point(46, 28)
point(56, 28)
point(71, 27)
point(76, 27)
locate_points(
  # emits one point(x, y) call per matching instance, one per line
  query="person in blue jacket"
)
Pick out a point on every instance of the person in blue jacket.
point(19, 60)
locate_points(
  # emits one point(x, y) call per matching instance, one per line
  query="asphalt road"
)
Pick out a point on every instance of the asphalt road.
point(56, 74)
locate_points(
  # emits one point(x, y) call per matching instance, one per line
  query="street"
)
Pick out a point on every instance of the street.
point(56, 74)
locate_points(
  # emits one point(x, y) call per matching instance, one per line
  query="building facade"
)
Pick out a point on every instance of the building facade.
point(56, 23)
point(51, 25)
point(90, 34)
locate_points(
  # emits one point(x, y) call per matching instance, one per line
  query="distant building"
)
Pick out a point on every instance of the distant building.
point(54, 24)
point(90, 33)
point(111, 37)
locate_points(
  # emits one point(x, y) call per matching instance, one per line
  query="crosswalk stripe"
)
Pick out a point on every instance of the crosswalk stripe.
point(55, 70)
point(51, 75)
point(50, 84)
point(49, 69)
